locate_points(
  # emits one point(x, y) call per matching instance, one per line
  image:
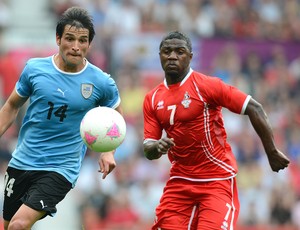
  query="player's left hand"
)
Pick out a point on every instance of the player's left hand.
point(107, 163)
point(278, 160)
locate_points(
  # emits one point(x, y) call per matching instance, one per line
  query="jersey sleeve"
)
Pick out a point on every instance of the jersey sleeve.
point(228, 96)
point(23, 86)
point(152, 129)
point(111, 95)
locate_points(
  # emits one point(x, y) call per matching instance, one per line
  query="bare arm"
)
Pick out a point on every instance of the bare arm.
point(260, 123)
point(9, 111)
point(106, 160)
point(119, 109)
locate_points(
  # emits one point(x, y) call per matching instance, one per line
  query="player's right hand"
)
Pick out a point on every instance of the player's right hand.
point(107, 163)
point(164, 144)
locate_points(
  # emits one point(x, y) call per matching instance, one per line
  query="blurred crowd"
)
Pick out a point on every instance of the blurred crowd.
point(127, 198)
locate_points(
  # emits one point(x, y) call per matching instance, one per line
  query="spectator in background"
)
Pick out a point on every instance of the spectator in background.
point(4, 15)
point(252, 69)
point(281, 206)
point(9, 72)
point(128, 23)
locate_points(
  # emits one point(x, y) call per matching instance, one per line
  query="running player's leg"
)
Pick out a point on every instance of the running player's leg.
point(178, 207)
point(16, 184)
point(24, 218)
point(25, 203)
point(220, 207)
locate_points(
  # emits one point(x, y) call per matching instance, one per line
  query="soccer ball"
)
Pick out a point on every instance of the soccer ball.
point(103, 129)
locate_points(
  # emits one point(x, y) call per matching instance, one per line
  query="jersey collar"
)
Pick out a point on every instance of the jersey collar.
point(183, 80)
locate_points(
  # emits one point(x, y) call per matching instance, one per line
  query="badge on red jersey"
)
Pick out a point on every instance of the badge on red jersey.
point(186, 100)
point(160, 105)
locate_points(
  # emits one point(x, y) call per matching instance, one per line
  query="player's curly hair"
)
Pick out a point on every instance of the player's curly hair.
point(78, 17)
point(177, 35)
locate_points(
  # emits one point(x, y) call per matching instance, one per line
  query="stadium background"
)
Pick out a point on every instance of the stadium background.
point(252, 44)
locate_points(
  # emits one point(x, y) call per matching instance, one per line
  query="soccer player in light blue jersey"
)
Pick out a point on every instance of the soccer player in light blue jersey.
point(61, 89)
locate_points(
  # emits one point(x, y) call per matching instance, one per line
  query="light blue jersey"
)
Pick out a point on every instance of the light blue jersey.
point(49, 138)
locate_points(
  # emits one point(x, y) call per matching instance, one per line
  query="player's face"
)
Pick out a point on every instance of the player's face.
point(73, 47)
point(175, 59)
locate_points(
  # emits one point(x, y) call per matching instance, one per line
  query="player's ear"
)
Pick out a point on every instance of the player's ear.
point(58, 40)
point(191, 55)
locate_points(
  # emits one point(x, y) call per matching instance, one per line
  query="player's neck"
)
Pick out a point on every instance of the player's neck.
point(68, 67)
point(176, 77)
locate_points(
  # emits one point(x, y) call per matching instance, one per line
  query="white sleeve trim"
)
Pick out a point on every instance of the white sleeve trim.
point(245, 104)
point(117, 103)
point(20, 94)
point(148, 139)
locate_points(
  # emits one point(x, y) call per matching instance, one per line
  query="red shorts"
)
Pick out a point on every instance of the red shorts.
point(198, 205)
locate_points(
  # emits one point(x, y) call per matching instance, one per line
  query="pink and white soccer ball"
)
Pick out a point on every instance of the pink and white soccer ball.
point(103, 129)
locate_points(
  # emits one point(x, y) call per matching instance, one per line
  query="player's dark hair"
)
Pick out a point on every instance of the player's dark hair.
point(78, 17)
point(177, 35)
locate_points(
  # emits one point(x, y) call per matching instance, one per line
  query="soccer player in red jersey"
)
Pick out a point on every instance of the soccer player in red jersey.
point(183, 119)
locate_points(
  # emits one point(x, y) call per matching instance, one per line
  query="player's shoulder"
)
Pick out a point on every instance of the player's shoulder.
point(96, 71)
point(39, 60)
point(38, 64)
point(201, 76)
point(204, 79)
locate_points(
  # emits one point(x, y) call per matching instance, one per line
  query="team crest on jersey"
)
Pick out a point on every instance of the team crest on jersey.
point(86, 90)
point(160, 105)
point(186, 100)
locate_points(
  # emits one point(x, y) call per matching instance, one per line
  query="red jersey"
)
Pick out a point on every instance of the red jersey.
point(191, 113)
